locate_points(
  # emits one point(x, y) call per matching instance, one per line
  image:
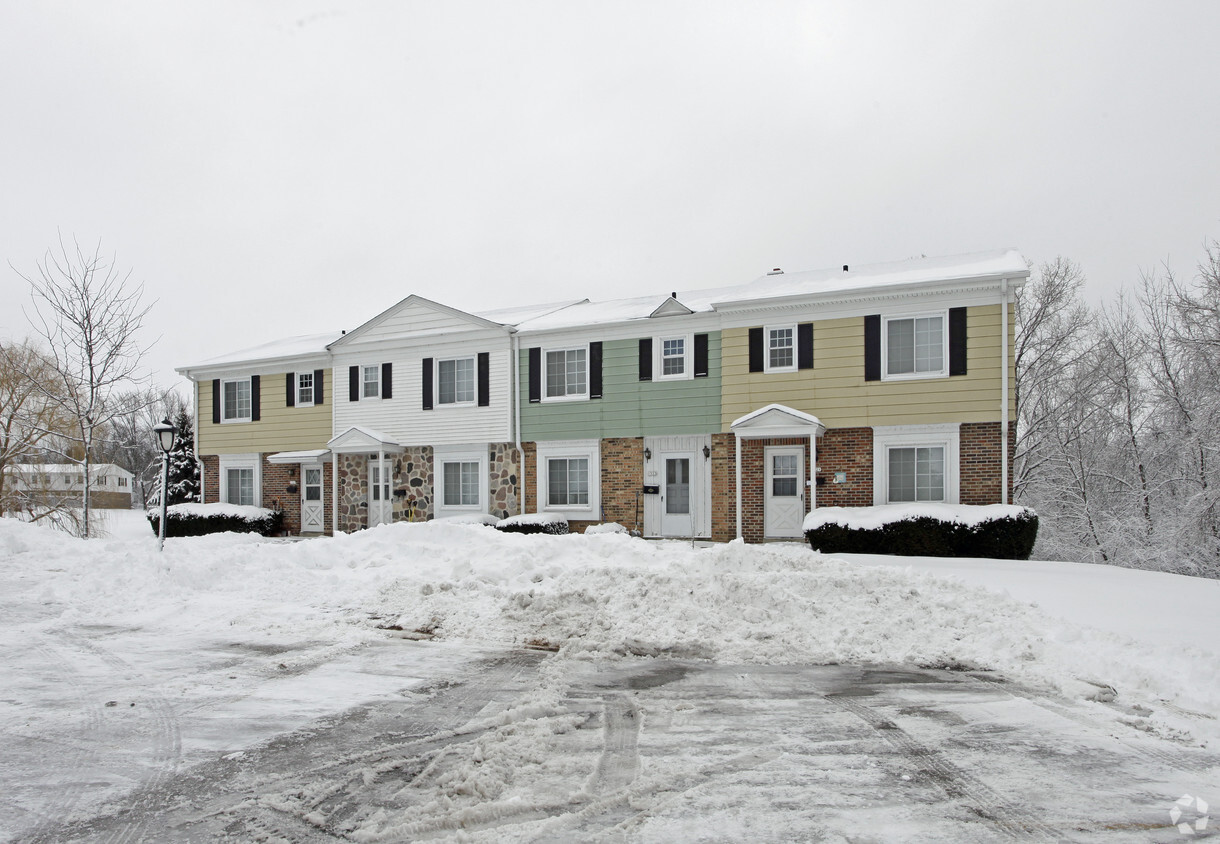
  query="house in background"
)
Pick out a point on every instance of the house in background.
point(56, 483)
point(708, 413)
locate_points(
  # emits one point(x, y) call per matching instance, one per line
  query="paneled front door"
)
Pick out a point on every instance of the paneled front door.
point(784, 497)
point(313, 514)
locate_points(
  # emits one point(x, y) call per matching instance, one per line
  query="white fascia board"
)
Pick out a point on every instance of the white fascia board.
point(890, 300)
point(265, 366)
point(419, 345)
point(699, 323)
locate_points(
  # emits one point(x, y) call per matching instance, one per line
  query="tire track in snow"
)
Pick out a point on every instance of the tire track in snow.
point(620, 759)
point(983, 801)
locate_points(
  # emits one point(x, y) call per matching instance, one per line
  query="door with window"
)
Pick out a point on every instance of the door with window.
point(379, 492)
point(313, 514)
point(784, 497)
point(677, 495)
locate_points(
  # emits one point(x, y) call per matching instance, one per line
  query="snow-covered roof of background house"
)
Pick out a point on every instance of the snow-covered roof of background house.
point(520, 313)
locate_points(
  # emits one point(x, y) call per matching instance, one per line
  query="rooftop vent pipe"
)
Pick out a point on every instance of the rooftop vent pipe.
point(776, 271)
point(673, 294)
point(845, 268)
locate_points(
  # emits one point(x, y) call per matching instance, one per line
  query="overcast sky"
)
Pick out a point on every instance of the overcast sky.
point(278, 168)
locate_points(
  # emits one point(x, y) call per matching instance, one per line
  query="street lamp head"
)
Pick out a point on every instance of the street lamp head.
point(165, 435)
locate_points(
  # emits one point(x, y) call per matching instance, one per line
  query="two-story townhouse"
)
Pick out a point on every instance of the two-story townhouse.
point(424, 419)
point(619, 403)
point(262, 421)
point(894, 381)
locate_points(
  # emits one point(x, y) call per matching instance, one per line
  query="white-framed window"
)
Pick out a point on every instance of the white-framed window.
point(569, 475)
point(915, 346)
point(673, 358)
point(914, 463)
point(780, 352)
point(461, 479)
point(240, 481)
point(235, 400)
point(566, 374)
point(101, 481)
point(455, 381)
point(371, 381)
point(305, 391)
point(122, 482)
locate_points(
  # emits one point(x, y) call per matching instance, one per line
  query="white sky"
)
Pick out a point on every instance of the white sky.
point(280, 168)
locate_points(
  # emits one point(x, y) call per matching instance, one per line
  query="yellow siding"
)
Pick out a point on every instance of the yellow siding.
point(280, 428)
point(835, 390)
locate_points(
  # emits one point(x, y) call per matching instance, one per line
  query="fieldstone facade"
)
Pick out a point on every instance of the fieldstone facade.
point(503, 491)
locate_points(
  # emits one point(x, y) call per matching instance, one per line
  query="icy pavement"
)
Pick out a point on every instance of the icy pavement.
point(522, 746)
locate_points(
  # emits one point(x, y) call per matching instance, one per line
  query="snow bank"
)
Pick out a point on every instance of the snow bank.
point(606, 596)
point(871, 518)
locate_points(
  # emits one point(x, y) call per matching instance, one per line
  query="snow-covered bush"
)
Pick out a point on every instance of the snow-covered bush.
point(202, 519)
point(605, 527)
point(468, 519)
point(534, 523)
point(925, 530)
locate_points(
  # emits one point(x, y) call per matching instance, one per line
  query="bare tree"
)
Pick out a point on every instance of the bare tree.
point(130, 441)
point(28, 422)
point(88, 316)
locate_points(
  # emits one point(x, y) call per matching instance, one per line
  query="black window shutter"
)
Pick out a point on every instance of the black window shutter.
point(756, 350)
point(957, 341)
point(872, 347)
point(484, 372)
point(426, 372)
point(646, 359)
point(290, 389)
point(700, 355)
point(387, 381)
point(255, 412)
point(804, 346)
point(353, 383)
point(535, 374)
point(595, 370)
point(318, 398)
point(216, 402)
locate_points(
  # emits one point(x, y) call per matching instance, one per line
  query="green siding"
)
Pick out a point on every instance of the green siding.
point(629, 407)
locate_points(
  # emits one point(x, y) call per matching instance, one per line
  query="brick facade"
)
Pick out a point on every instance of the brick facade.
point(724, 487)
point(847, 450)
point(275, 480)
point(979, 459)
point(753, 482)
point(622, 481)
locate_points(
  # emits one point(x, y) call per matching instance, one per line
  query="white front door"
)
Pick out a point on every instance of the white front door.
point(678, 495)
point(379, 493)
point(784, 497)
point(313, 514)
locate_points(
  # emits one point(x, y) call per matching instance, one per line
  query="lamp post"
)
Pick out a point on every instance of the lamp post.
point(165, 439)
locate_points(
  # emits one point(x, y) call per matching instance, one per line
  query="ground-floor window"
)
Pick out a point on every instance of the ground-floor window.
point(461, 483)
point(461, 478)
point(568, 478)
point(914, 463)
point(567, 481)
point(239, 479)
point(917, 473)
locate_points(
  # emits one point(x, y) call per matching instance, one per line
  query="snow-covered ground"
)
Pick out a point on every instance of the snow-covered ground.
point(127, 671)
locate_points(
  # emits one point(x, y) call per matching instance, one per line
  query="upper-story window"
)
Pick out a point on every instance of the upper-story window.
point(372, 381)
point(235, 400)
point(567, 373)
point(781, 348)
point(122, 482)
point(916, 346)
point(455, 381)
point(673, 358)
point(305, 390)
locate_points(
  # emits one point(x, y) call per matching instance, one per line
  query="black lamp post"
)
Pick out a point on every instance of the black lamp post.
point(165, 439)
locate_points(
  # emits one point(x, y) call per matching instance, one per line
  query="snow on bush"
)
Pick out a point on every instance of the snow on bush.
point(927, 529)
point(468, 519)
point(202, 519)
point(605, 527)
point(550, 523)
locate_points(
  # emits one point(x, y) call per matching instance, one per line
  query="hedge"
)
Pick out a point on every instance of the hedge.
point(1010, 537)
point(202, 519)
point(534, 523)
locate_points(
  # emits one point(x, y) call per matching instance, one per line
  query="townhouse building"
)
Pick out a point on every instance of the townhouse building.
point(710, 413)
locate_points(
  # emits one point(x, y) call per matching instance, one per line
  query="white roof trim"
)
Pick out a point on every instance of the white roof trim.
point(777, 420)
point(358, 439)
point(317, 455)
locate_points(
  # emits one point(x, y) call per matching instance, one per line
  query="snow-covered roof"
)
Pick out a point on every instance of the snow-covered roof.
point(359, 438)
point(288, 347)
point(313, 455)
point(775, 416)
point(70, 468)
point(1003, 263)
point(520, 313)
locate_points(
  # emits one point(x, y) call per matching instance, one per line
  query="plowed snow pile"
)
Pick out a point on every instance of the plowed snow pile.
point(598, 595)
